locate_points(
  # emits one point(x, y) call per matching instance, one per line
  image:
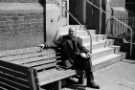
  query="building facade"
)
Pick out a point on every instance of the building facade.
point(25, 23)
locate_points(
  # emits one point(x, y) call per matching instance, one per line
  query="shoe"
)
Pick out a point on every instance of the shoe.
point(93, 85)
point(72, 80)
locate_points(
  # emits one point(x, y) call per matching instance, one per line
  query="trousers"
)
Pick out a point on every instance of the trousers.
point(84, 65)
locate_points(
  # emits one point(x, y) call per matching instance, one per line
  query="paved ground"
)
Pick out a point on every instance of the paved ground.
point(119, 76)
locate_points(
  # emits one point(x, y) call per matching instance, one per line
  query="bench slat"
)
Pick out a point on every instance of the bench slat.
point(14, 78)
point(19, 51)
point(54, 75)
point(22, 56)
point(28, 60)
point(7, 86)
point(11, 67)
point(44, 67)
point(41, 62)
point(9, 58)
point(11, 79)
point(14, 84)
point(13, 72)
point(2, 88)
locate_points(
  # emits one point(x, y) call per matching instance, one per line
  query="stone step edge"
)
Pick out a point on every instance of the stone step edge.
point(101, 49)
point(106, 61)
point(95, 42)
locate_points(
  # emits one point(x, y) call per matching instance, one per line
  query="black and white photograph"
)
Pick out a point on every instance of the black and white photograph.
point(67, 45)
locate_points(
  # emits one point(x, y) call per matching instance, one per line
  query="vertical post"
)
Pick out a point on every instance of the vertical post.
point(112, 21)
point(58, 85)
point(33, 81)
point(67, 12)
point(100, 16)
point(103, 29)
point(44, 18)
point(84, 11)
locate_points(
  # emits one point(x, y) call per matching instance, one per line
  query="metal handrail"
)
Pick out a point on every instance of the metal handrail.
point(113, 17)
point(79, 24)
point(73, 17)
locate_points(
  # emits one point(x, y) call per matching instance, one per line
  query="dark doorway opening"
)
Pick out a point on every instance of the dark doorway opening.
point(130, 5)
point(87, 14)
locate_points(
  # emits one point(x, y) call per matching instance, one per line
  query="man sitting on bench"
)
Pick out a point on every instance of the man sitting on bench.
point(75, 56)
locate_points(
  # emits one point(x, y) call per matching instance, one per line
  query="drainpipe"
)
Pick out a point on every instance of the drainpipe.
point(100, 16)
point(84, 11)
point(44, 19)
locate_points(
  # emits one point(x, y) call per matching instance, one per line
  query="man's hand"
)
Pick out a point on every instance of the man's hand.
point(44, 45)
point(89, 54)
point(84, 55)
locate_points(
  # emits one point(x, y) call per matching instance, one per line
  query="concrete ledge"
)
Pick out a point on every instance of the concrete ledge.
point(106, 61)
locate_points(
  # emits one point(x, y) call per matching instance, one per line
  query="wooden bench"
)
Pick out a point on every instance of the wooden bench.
point(30, 69)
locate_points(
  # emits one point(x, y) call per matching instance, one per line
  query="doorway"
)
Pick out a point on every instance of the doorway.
point(87, 14)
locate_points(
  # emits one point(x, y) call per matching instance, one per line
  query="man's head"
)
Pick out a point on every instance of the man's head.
point(71, 32)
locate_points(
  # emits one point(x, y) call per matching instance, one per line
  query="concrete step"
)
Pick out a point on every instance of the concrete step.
point(95, 38)
point(109, 42)
point(96, 45)
point(92, 31)
point(81, 30)
point(116, 49)
point(99, 44)
point(20, 1)
point(100, 37)
point(84, 32)
point(81, 33)
point(105, 61)
point(97, 53)
point(77, 27)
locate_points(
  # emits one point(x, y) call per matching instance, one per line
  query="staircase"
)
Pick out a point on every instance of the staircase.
point(104, 53)
point(20, 22)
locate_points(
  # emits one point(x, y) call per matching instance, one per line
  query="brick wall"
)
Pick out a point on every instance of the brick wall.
point(118, 3)
point(19, 29)
point(22, 1)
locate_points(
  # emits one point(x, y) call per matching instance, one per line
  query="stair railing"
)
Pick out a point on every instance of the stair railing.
point(122, 23)
point(77, 21)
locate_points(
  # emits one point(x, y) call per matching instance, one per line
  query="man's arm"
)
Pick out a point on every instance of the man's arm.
point(82, 48)
point(84, 51)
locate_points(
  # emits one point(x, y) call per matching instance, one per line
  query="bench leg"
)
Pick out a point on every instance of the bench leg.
point(59, 85)
point(42, 89)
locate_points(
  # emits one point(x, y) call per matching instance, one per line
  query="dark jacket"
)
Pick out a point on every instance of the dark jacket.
point(71, 47)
